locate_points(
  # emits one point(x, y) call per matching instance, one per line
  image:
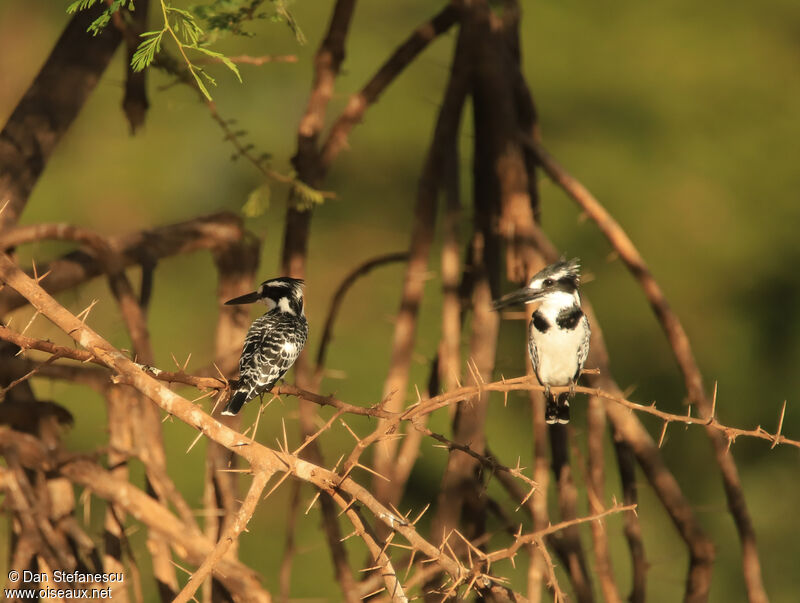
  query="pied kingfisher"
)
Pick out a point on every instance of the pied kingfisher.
point(274, 340)
point(558, 334)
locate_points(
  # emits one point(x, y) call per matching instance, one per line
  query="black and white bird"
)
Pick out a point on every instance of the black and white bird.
point(558, 334)
point(274, 340)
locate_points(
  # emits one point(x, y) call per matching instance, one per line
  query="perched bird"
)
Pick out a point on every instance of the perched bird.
point(558, 334)
point(274, 340)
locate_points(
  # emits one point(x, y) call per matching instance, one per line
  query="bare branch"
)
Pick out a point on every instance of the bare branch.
point(389, 71)
point(232, 533)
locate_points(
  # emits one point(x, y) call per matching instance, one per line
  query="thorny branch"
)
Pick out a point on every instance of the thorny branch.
point(411, 414)
point(235, 528)
point(466, 571)
point(259, 457)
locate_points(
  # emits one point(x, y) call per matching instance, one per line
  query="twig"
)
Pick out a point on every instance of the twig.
point(235, 528)
point(633, 530)
point(147, 246)
point(41, 119)
point(567, 502)
point(524, 539)
point(187, 542)
point(388, 72)
point(285, 572)
point(595, 490)
point(338, 297)
point(245, 59)
point(430, 405)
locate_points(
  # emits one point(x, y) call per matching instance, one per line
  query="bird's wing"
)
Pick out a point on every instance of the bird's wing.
point(533, 351)
point(583, 351)
point(271, 347)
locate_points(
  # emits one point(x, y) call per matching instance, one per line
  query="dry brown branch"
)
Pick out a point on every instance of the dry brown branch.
point(145, 423)
point(32, 513)
point(394, 389)
point(231, 534)
point(260, 457)
point(524, 539)
point(245, 59)
point(681, 347)
point(51, 103)
point(411, 414)
point(633, 530)
point(595, 490)
point(461, 501)
point(327, 63)
point(388, 72)
point(144, 247)
point(567, 502)
point(95, 378)
point(134, 102)
point(285, 572)
point(627, 426)
point(311, 450)
point(120, 405)
point(236, 264)
point(336, 302)
point(189, 544)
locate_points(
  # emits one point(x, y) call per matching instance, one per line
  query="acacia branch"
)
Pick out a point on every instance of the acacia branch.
point(235, 528)
point(260, 457)
point(338, 297)
point(595, 491)
point(403, 56)
point(144, 247)
point(186, 541)
point(50, 105)
point(411, 414)
point(525, 539)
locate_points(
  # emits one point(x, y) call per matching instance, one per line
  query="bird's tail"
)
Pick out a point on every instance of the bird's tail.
point(235, 404)
point(557, 410)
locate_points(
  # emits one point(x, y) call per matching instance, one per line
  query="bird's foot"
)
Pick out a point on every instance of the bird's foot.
point(563, 412)
point(551, 412)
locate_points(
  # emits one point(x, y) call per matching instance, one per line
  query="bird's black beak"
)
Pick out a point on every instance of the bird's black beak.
point(248, 298)
point(520, 296)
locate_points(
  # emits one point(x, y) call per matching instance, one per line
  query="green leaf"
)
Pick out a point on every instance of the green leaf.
point(147, 49)
point(186, 25)
point(80, 5)
point(218, 55)
point(200, 83)
point(283, 14)
point(305, 197)
point(257, 202)
point(98, 24)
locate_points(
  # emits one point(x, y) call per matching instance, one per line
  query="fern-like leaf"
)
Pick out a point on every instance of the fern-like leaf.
point(80, 5)
point(147, 49)
point(218, 55)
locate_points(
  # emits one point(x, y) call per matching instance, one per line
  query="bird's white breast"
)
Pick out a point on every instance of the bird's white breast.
point(557, 353)
point(558, 350)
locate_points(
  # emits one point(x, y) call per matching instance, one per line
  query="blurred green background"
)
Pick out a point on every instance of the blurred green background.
point(682, 118)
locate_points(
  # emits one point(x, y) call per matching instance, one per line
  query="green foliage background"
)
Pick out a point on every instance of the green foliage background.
point(683, 118)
